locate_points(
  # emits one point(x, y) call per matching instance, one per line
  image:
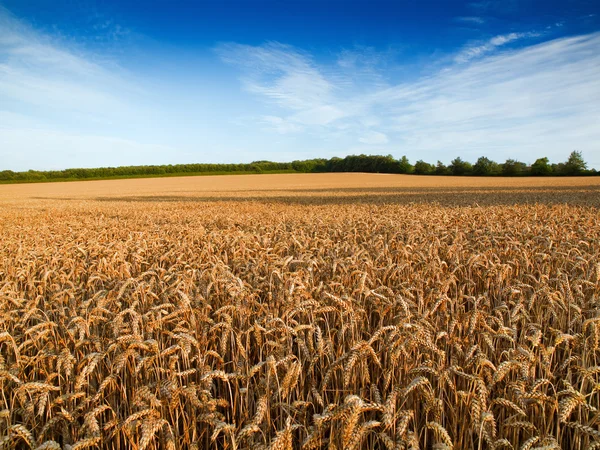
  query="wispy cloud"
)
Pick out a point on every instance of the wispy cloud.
point(289, 79)
point(57, 101)
point(473, 20)
point(37, 71)
point(281, 73)
point(536, 100)
point(281, 125)
point(374, 138)
point(505, 97)
point(478, 50)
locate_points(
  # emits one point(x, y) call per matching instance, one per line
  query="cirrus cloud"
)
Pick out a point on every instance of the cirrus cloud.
point(527, 102)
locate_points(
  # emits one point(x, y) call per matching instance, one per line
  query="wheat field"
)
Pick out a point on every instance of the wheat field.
point(301, 312)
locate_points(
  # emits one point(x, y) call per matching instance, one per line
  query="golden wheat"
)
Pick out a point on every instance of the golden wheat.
point(350, 319)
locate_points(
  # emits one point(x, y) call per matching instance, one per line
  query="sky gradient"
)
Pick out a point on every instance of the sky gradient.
point(108, 83)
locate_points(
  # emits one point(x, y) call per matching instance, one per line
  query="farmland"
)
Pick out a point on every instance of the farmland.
point(301, 311)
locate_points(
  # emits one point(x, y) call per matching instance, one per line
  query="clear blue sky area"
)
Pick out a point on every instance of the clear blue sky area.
point(103, 83)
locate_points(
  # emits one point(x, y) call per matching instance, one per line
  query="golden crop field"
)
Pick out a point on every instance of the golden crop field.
point(346, 311)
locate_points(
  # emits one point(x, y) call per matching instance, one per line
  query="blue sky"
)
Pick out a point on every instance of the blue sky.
point(105, 83)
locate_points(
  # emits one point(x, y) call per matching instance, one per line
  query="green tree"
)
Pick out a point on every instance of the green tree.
point(441, 169)
point(460, 167)
point(512, 168)
point(7, 175)
point(404, 166)
point(424, 168)
point(575, 165)
point(541, 167)
point(485, 166)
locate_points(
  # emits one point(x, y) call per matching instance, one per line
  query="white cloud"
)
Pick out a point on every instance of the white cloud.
point(471, 20)
point(59, 108)
point(281, 125)
point(478, 50)
point(374, 138)
point(289, 79)
point(36, 71)
point(320, 115)
point(281, 73)
point(505, 39)
point(539, 100)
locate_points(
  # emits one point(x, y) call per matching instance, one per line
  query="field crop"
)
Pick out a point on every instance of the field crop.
point(333, 311)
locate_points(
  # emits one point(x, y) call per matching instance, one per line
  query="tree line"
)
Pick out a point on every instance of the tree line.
point(573, 166)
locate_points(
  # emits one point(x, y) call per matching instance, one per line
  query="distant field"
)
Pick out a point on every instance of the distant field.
point(315, 187)
point(348, 311)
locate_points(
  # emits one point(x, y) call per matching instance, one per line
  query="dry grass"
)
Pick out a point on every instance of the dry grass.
point(304, 318)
